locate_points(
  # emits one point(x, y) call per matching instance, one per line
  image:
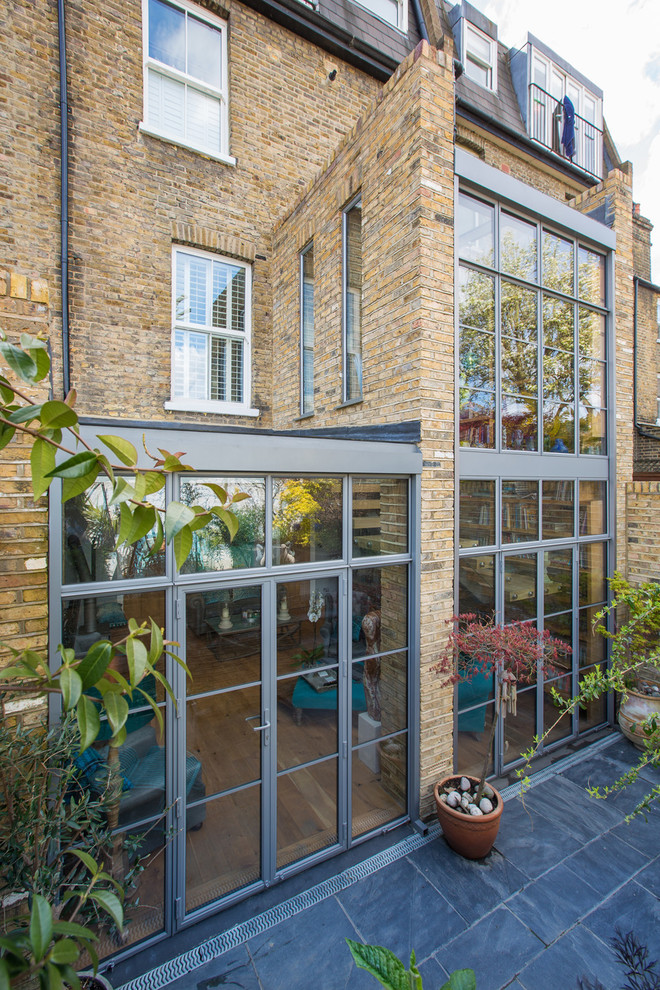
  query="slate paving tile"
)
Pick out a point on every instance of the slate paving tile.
point(606, 863)
point(309, 942)
point(473, 887)
point(496, 948)
point(570, 806)
point(552, 904)
point(650, 878)
point(633, 908)
point(397, 907)
point(531, 842)
point(601, 770)
point(233, 969)
point(623, 752)
point(641, 834)
point(578, 953)
point(432, 973)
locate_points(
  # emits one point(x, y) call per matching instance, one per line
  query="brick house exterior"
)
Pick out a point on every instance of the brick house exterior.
point(396, 149)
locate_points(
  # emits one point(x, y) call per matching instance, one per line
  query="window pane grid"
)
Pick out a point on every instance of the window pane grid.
point(532, 364)
point(184, 100)
point(211, 295)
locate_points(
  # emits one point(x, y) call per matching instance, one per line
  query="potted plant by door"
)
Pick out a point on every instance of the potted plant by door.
point(635, 659)
point(480, 650)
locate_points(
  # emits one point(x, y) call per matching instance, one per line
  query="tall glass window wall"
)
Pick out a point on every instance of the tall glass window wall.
point(534, 521)
point(290, 737)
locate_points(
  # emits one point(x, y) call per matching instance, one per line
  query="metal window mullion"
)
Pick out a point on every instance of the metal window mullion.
point(176, 716)
point(540, 622)
point(344, 713)
point(269, 752)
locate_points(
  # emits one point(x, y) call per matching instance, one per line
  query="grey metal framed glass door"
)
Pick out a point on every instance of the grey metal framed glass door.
point(222, 731)
point(258, 768)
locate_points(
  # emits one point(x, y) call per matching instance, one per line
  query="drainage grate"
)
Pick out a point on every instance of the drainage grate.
point(189, 961)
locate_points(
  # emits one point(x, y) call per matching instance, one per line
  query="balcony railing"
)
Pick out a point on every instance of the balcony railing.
point(546, 125)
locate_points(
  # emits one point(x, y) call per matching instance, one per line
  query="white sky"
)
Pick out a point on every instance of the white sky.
point(615, 44)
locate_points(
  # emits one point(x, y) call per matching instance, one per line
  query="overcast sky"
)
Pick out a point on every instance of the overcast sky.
point(616, 44)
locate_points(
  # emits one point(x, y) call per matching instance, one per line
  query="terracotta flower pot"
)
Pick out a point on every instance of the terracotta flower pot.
point(471, 837)
point(632, 713)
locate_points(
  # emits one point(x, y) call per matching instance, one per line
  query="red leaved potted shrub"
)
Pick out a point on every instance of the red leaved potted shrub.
point(468, 808)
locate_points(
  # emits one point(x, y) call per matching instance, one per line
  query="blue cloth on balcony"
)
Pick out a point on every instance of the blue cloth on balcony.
point(568, 134)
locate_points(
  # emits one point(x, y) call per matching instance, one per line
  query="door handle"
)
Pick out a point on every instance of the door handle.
point(257, 728)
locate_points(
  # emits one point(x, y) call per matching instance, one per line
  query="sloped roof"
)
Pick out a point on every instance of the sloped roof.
point(346, 29)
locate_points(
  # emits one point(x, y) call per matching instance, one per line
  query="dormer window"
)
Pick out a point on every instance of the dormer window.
point(393, 12)
point(557, 91)
point(480, 59)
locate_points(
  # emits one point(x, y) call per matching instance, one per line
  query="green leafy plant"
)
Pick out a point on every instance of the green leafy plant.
point(634, 653)
point(57, 850)
point(393, 975)
point(641, 970)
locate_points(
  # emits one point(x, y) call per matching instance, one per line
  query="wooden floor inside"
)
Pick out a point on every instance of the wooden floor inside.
point(223, 854)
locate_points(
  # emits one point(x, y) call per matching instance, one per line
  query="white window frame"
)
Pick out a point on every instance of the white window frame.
point(469, 54)
point(183, 403)
point(402, 14)
point(578, 94)
point(220, 154)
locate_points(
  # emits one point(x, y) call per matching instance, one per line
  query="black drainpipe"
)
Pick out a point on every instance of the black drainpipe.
point(64, 199)
point(655, 288)
point(420, 20)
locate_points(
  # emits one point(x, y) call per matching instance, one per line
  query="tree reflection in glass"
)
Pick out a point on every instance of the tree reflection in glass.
point(517, 247)
point(476, 230)
point(477, 358)
point(557, 261)
point(591, 276)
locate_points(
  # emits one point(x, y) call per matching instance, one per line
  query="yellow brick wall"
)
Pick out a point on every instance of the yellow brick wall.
point(131, 193)
point(616, 188)
point(643, 531)
point(23, 522)
point(401, 160)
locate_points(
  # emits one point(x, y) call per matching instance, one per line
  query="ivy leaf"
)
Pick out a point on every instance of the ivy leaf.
point(71, 687)
point(158, 540)
point(384, 965)
point(24, 414)
point(41, 926)
point(76, 466)
point(156, 644)
point(42, 460)
point(76, 486)
point(218, 491)
point(176, 517)
point(111, 904)
point(38, 351)
point(64, 952)
point(461, 979)
point(57, 415)
point(116, 708)
point(95, 663)
point(87, 859)
point(136, 655)
point(182, 543)
point(135, 522)
point(89, 722)
point(19, 362)
point(228, 518)
point(6, 434)
point(121, 448)
point(121, 491)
